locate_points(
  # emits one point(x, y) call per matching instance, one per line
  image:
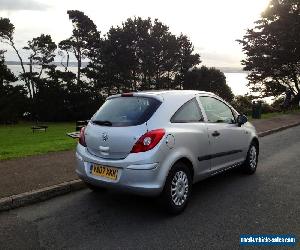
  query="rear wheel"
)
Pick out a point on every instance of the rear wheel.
point(177, 189)
point(250, 164)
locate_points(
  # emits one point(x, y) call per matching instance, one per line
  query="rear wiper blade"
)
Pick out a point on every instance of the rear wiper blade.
point(105, 123)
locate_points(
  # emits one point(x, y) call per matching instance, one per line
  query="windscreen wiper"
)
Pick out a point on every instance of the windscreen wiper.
point(104, 123)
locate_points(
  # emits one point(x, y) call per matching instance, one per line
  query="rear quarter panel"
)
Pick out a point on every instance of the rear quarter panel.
point(191, 142)
point(191, 139)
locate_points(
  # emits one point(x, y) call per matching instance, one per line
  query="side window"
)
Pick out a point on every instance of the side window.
point(188, 112)
point(216, 111)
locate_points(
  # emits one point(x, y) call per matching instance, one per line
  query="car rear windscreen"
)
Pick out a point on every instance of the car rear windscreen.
point(126, 111)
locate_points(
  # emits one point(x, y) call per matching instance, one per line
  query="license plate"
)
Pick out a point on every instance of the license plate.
point(110, 173)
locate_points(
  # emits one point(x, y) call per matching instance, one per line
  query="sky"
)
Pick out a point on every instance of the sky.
point(212, 25)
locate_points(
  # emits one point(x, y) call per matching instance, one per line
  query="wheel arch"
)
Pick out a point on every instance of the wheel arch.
point(178, 155)
point(256, 142)
point(188, 163)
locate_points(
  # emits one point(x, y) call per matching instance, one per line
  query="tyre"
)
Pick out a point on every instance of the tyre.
point(177, 189)
point(94, 188)
point(250, 164)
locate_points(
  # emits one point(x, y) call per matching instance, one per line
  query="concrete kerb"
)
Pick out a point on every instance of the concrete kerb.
point(42, 194)
point(272, 131)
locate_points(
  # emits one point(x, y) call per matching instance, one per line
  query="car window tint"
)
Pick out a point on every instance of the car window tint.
point(126, 111)
point(216, 111)
point(188, 112)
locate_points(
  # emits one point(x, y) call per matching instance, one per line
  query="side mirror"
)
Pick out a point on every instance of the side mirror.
point(241, 119)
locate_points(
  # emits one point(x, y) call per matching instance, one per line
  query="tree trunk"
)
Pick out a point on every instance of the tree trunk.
point(78, 68)
point(68, 58)
point(27, 83)
point(31, 80)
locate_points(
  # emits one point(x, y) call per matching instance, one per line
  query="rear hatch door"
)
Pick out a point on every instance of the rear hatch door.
point(112, 142)
point(118, 124)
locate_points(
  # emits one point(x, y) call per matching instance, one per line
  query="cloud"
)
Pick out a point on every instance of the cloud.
point(22, 5)
point(219, 59)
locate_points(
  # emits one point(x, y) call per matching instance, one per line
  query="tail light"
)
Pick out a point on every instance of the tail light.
point(82, 137)
point(148, 141)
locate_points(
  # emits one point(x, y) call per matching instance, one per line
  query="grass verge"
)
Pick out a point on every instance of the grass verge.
point(18, 140)
point(274, 114)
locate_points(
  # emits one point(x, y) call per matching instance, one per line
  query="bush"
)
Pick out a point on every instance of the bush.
point(208, 79)
point(267, 108)
point(13, 103)
point(243, 104)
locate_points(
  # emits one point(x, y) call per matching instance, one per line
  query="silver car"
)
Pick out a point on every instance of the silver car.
point(161, 142)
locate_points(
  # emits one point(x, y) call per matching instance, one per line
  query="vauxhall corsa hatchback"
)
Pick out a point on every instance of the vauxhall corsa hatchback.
point(159, 143)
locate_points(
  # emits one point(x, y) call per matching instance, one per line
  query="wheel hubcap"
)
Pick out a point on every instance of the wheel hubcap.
point(252, 157)
point(179, 188)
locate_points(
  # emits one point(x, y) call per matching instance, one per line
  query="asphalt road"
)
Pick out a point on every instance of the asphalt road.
point(222, 208)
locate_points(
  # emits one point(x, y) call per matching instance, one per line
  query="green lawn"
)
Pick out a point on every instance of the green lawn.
point(18, 140)
point(270, 115)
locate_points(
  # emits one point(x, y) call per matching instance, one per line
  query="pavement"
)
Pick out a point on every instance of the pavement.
point(221, 208)
point(30, 174)
point(276, 123)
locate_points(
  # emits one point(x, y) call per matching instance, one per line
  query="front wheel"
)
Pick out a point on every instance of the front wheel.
point(250, 163)
point(177, 189)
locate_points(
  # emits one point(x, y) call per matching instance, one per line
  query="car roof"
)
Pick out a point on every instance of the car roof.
point(166, 93)
point(173, 92)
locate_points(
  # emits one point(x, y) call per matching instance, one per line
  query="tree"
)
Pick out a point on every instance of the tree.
point(6, 76)
point(187, 58)
point(44, 83)
point(73, 101)
point(84, 33)
point(65, 46)
point(140, 54)
point(7, 36)
point(13, 99)
point(208, 79)
point(41, 53)
point(272, 50)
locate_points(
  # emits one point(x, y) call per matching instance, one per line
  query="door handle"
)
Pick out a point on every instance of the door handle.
point(215, 133)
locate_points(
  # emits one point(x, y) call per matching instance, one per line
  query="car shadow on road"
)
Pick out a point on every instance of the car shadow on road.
point(206, 192)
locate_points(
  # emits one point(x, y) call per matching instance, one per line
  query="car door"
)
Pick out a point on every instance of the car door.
point(227, 139)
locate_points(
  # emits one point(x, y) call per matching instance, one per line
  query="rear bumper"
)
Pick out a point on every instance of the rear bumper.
point(134, 177)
